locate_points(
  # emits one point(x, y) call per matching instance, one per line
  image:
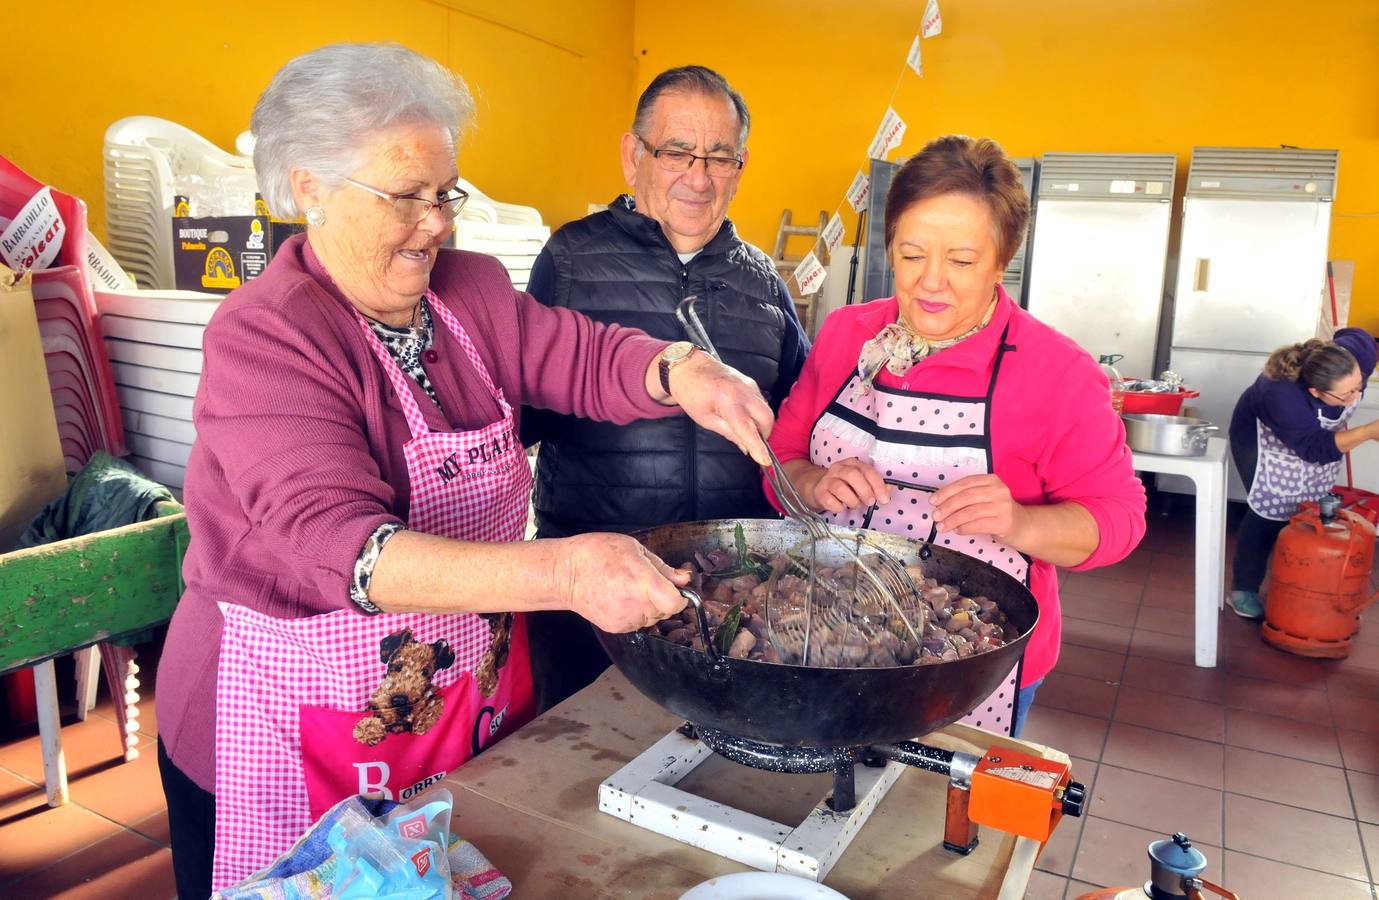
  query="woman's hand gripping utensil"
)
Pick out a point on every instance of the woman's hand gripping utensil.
point(878, 586)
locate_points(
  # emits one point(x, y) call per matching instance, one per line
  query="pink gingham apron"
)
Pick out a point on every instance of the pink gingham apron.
point(295, 729)
point(919, 442)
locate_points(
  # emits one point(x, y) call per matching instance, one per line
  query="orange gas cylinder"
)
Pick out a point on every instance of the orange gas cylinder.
point(1318, 580)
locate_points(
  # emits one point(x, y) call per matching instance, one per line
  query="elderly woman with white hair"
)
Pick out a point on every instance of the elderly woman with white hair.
point(357, 493)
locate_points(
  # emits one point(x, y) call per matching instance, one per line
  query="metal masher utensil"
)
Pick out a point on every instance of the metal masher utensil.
point(880, 581)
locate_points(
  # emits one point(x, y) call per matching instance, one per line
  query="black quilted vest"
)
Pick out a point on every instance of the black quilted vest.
point(617, 266)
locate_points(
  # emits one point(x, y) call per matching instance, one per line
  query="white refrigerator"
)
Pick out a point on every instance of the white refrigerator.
point(1251, 269)
point(1097, 261)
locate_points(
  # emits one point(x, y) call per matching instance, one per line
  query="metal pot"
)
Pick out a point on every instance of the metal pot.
point(815, 706)
point(1167, 435)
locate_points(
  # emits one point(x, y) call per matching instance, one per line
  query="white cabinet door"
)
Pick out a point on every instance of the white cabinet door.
point(1096, 274)
point(1249, 273)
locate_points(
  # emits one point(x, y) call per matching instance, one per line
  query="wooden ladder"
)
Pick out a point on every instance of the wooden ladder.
point(785, 264)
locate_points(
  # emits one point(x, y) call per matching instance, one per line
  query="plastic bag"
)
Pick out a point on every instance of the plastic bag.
point(401, 856)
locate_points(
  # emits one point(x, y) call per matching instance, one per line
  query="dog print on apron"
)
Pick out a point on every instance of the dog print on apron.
point(1283, 480)
point(919, 442)
point(312, 710)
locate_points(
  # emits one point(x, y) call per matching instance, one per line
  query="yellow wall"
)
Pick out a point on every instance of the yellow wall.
point(1148, 76)
point(556, 82)
point(549, 82)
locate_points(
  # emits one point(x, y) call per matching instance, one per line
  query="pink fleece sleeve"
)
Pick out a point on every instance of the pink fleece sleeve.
point(1085, 460)
point(288, 433)
point(809, 396)
point(576, 366)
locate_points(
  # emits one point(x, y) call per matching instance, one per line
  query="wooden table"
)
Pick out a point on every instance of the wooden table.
point(531, 805)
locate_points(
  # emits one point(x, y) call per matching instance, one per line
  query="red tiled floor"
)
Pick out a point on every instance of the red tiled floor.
point(123, 865)
point(32, 833)
point(1169, 755)
point(1074, 734)
point(1354, 714)
point(1359, 750)
point(1112, 612)
point(1090, 663)
point(1114, 854)
point(1078, 694)
point(1257, 659)
point(1169, 621)
point(1294, 836)
point(1265, 879)
point(1176, 679)
point(1168, 598)
point(1174, 648)
point(1097, 635)
point(1179, 715)
point(1288, 737)
point(1043, 886)
point(1364, 790)
point(1084, 584)
point(1159, 804)
point(1289, 781)
point(1276, 698)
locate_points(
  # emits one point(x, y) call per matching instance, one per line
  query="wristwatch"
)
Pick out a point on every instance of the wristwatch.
point(671, 357)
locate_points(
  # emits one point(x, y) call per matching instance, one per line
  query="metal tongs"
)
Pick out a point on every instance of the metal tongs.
point(883, 584)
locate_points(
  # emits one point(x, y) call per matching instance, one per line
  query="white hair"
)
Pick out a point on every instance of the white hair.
point(321, 107)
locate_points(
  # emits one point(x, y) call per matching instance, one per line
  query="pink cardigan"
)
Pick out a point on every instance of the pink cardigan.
point(298, 456)
point(1054, 435)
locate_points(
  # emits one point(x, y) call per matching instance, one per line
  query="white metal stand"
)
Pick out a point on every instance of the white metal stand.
point(643, 792)
point(1208, 473)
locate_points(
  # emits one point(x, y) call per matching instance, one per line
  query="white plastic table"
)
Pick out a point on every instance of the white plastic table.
point(1208, 474)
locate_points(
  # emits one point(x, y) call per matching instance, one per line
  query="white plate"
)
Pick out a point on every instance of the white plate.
point(761, 886)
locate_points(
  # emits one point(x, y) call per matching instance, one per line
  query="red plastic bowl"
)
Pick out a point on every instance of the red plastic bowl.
point(1157, 403)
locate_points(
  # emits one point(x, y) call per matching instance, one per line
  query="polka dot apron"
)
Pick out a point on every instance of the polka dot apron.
point(313, 710)
point(920, 442)
point(1283, 480)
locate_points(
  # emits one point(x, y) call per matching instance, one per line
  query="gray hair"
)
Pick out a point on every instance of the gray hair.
point(690, 80)
point(322, 106)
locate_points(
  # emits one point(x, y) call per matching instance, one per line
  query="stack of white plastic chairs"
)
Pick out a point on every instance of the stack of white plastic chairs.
point(514, 234)
point(145, 158)
point(153, 339)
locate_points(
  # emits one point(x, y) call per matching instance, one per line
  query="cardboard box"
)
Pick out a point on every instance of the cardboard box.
point(219, 253)
point(33, 472)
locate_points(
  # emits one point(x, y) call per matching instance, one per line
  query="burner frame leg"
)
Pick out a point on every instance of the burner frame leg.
point(643, 793)
point(959, 831)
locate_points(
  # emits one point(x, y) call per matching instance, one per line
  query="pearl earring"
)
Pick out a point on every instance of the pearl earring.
point(316, 216)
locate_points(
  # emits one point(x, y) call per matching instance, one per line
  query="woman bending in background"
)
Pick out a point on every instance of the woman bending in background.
point(1287, 438)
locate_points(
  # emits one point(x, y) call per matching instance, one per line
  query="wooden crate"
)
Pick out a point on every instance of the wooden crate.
point(70, 594)
point(95, 589)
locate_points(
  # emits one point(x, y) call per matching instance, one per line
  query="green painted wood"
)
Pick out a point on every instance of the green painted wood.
point(99, 587)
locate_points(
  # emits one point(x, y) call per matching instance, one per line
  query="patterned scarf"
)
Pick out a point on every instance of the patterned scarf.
point(898, 347)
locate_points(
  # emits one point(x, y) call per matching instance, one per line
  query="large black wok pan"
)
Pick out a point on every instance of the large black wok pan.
point(814, 706)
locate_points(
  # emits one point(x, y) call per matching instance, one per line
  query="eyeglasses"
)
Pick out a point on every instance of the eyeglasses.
point(683, 161)
point(1344, 398)
point(412, 209)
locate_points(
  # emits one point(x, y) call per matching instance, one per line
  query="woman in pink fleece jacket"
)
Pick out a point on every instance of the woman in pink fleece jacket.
point(948, 413)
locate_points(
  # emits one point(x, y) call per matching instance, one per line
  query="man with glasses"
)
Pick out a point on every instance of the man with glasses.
point(1288, 435)
point(632, 265)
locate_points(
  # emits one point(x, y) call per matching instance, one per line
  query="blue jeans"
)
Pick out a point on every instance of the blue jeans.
point(1023, 701)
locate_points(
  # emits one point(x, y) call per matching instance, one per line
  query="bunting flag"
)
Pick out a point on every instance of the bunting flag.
point(888, 136)
point(809, 274)
point(832, 234)
point(858, 192)
point(913, 60)
point(933, 20)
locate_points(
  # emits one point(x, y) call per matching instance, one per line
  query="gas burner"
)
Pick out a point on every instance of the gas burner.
point(1005, 789)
